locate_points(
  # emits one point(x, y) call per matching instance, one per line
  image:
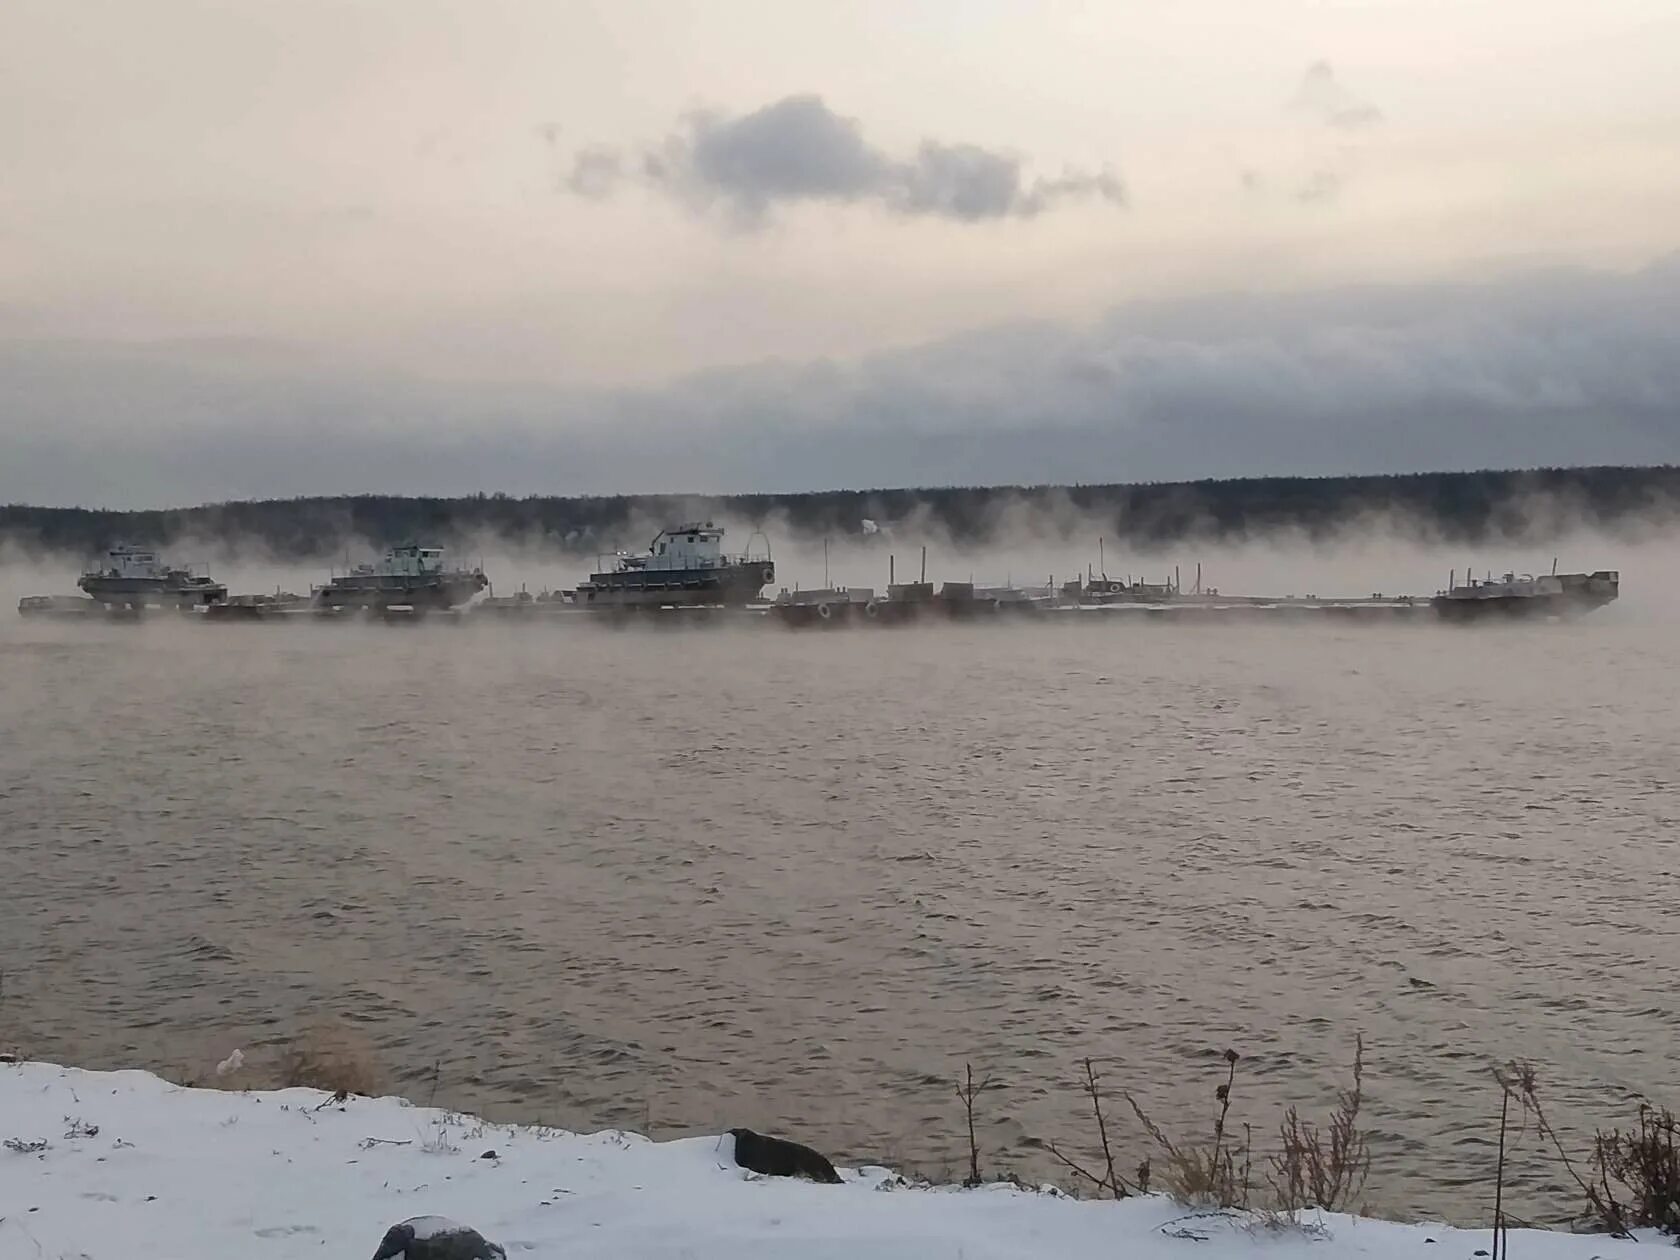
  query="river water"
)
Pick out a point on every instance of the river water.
point(696, 879)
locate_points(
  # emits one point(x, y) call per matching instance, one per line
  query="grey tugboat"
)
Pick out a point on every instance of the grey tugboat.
point(684, 565)
point(409, 576)
point(131, 577)
point(1550, 595)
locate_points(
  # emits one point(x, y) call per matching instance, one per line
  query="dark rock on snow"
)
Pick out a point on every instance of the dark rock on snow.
point(435, 1238)
point(776, 1157)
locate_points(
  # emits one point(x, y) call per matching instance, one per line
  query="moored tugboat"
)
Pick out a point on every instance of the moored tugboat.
point(1551, 595)
point(409, 576)
point(131, 577)
point(684, 566)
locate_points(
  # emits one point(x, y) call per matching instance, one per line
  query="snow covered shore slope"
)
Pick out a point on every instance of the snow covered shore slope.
point(138, 1169)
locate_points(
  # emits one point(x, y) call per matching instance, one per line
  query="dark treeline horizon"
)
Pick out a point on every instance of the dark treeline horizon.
point(1450, 507)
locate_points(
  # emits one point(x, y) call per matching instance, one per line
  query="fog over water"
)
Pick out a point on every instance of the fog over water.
point(707, 878)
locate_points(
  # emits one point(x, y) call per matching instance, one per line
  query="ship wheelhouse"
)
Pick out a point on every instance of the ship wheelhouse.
point(686, 547)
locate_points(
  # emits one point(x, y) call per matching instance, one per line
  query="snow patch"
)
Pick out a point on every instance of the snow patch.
point(432, 1226)
point(153, 1169)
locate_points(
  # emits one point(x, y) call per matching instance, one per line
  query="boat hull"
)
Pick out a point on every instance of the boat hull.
point(71, 607)
point(137, 592)
point(381, 591)
point(732, 585)
point(1517, 607)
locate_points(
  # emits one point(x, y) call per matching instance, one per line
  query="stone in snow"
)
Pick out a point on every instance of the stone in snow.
point(777, 1157)
point(435, 1238)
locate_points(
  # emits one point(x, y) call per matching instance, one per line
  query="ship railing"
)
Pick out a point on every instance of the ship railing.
point(688, 564)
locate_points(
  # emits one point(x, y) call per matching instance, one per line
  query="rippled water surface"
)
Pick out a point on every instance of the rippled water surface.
point(685, 880)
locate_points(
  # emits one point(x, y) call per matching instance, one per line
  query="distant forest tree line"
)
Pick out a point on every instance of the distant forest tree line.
point(1447, 507)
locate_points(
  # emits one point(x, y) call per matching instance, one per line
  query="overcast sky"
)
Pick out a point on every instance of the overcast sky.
point(406, 245)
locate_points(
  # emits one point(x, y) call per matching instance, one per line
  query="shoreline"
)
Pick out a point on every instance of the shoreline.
point(191, 1173)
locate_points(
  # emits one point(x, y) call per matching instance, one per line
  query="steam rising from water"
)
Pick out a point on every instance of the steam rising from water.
point(1035, 545)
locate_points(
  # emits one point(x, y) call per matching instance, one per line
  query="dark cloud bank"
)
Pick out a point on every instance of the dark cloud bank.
point(799, 150)
point(1557, 368)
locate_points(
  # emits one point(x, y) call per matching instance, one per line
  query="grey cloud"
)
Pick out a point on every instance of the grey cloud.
point(1103, 185)
point(1322, 95)
point(958, 181)
point(1322, 98)
point(797, 149)
point(964, 181)
point(595, 173)
point(1320, 186)
point(1569, 367)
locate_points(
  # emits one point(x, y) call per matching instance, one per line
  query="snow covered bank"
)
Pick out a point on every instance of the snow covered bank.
point(122, 1164)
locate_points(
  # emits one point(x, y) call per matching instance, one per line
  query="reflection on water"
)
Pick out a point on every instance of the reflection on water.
point(706, 879)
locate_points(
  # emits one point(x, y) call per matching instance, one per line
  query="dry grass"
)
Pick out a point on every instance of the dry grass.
point(1633, 1177)
point(326, 1055)
point(967, 1092)
point(1314, 1165)
point(8, 1050)
point(1108, 1179)
point(1212, 1174)
point(1323, 1168)
point(331, 1057)
point(1643, 1164)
